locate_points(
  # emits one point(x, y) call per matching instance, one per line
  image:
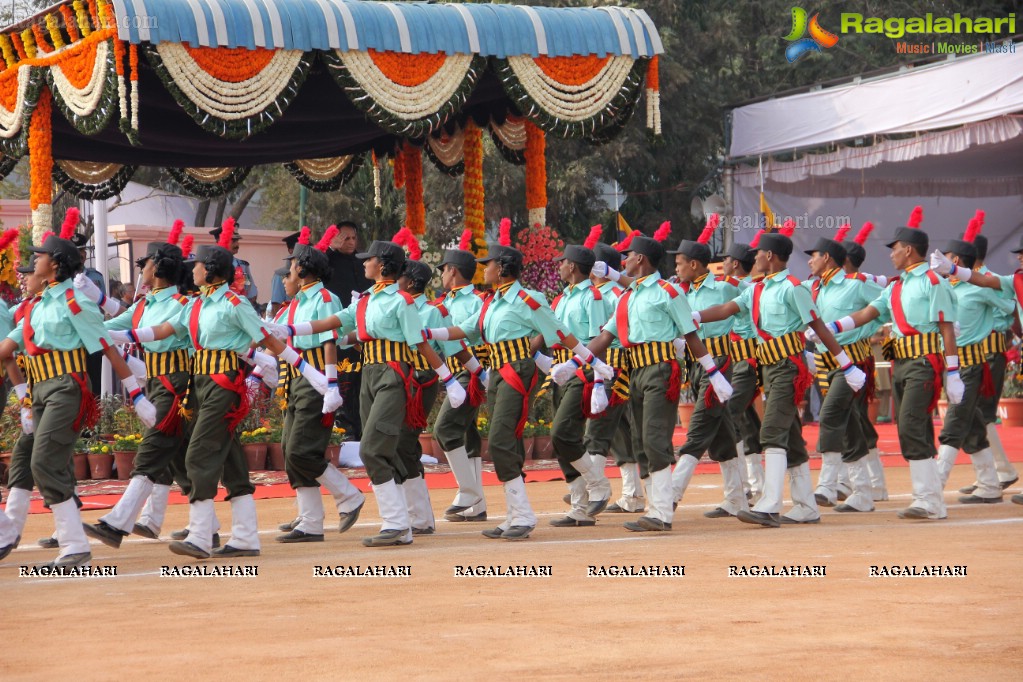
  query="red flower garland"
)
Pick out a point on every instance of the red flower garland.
point(415, 209)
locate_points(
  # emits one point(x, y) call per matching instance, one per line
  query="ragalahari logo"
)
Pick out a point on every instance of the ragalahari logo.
point(818, 39)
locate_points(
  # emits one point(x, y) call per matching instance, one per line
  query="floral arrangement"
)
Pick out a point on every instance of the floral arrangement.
point(328, 174)
point(128, 443)
point(338, 435)
point(415, 209)
point(483, 425)
point(539, 427)
point(40, 149)
point(472, 186)
point(260, 434)
point(9, 260)
point(536, 175)
point(540, 246)
point(100, 447)
point(209, 182)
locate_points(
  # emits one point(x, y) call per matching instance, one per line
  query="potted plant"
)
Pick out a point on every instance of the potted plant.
point(254, 444)
point(333, 451)
point(483, 427)
point(81, 459)
point(686, 403)
point(542, 447)
point(1011, 403)
point(275, 449)
point(124, 448)
point(101, 460)
point(529, 439)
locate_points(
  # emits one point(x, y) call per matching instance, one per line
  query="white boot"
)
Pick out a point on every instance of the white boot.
point(632, 491)
point(69, 529)
point(465, 476)
point(123, 515)
point(755, 474)
point(878, 485)
point(681, 476)
point(844, 487)
point(202, 524)
point(946, 460)
point(8, 532)
point(156, 508)
point(420, 511)
point(18, 500)
point(731, 480)
point(520, 512)
point(862, 497)
point(827, 481)
point(393, 510)
point(597, 486)
point(988, 485)
point(480, 506)
point(579, 500)
point(1006, 471)
point(775, 464)
point(928, 502)
point(804, 503)
point(660, 495)
point(740, 450)
point(346, 496)
point(244, 525)
point(310, 510)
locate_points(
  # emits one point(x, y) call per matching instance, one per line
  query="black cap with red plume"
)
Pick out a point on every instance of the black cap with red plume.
point(462, 258)
point(61, 248)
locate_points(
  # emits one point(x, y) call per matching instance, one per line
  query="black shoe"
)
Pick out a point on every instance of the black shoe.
point(105, 533)
point(759, 518)
point(1006, 484)
point(912, 513)
point(459, 518)
point(517, 533)
point(717, 513)
point(973, 499)
point(188, 549)
point(569, 522)
point(348, 519)
point(388, 538)
point(566, 498)
point(299, 536)
point(290, 525)
point(823, 500)
point(618, 509)
point(455, 509)
point(497, 533)
point(422, 531)
point(7, 549)
point(787, 520)
point(227, 552)
point(594, 508)
point(70, 560)
point(647, 523)
point(145, 531)
point(48, 543)
point(969, 490)
point(182, 534)
point(1017, 499)
point(847, 508)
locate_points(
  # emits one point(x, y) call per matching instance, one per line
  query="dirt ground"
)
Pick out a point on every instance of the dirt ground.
point(433, 625)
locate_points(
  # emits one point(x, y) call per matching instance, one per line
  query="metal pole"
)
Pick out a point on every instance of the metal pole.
point(100, 240)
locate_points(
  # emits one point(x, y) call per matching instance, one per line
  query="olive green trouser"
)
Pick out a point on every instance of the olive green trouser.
point(305, 438)
point(382, 404)
point(19, 473)
point(456, 426)
point(989, 405)
point(653, 416)
point(964, 427)
point(841, 423)
point(611, 432)
point(913, 390)
point(55, 404)
point(214, 453)
point(781, 427)
point(745, 419)
point(159, 454)
point(710, 428)
point(505, 406)
point(409, 449)
point(568, 427)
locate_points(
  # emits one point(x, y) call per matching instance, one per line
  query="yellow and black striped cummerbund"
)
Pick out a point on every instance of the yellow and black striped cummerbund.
point(717, 346)
point(378, 351)
point(618, 358)
point(209, 361)
point(481, 353)
point(744, 349)
point(915, 346)
point(994, 343)
point(857, 352)
point(974, 354)
point(314, 356)
point(168, 362)
point(651, 353)
point(419, 362)
point(562, 355)
point(55, 363)
point(503, 352)
point(773, 351)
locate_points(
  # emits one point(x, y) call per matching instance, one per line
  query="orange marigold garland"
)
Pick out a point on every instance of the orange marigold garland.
point(653, 96)
point(536, 175)
point(69, 23)
point(133, 76)
point(19, 47)
point(472, 185)
point(398, 168)
point(40, 39)
point(40, 154)
point(415, 209)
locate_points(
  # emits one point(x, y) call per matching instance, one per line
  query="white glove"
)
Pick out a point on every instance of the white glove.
point(855, 377)
point(485, 379)
point(811, 335)
point(697, 317)
point(268, 375)
point(456, 394)
point(940, 264)
point(680, 349)
point(602, 270)
point(27, 426)
point(121, 337)
point(543, 362)
point(332, 400)
point(137, 367)
point(722, 388)
point(563, 372)
point(315, 377)
point(146, 411)
point(957, 328)
point(87, 288)
point(811, 363)
point(602, 370)
point(278, 331)
point(954, 388)
point(356, 295)
point(598, 400)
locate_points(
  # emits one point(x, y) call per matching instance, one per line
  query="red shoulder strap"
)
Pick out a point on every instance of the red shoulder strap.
point(758, 289)
point(933, 276)
point(136, 317)
point(292, 309)
point(487, 300)
point(686, 286)
point(440, 307)
point(596, 294)
point(555, 302)
point(407, 296)
point(72, 304)
point(815, 289)
point(360, 318)
point(794, 281)
point(30, 347)
point(533, 305)
point(898, 314)
point(622, 318)
point(1017, 285)
point(193, 323)
point(325, 293)
point(669, 287)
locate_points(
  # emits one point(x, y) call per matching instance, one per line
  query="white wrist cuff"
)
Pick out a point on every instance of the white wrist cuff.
point(21, 390)
point(707, 362)
point(289, 355)
point(582, 352)
point(443, 373)
point(303, 328)
point(613, 274)
point(846, 323)
point(330, 371)
point(145, 334)
point(131, 384)
point(962, 274)
point(842, 359)
point(112, 306)
point(952, 361)
point(472, 364)
point(696, 317)
point(440, 334)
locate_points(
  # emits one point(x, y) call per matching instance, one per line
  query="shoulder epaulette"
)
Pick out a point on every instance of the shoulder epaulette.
point(233, 298)
point(794, 281)
point(72, 304)
point(482, 294)
point(555, 302)
point(857, 275)
point(686, 286)
point(437, 301)
point(440, 307)
point(933, 276)
point(596, 294)
point(408, 297)
point(181, 298)
point(669, 287)
point(618, 291)
point(533, 305)
point(730, 280)
point(325, 293)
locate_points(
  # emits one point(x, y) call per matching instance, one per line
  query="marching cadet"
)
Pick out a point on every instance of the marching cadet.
point(738, 264)
point(963, 426)
point(922, 308)
point(650, 315)
point(581, 310)
point(387, 325)
point(455, 428)
point(506, 322)
point(612, 429)
point(251, 292)
point(309, 418)
point(710, 427)
point(781, 308)
point(841, 441)
point(57, 330)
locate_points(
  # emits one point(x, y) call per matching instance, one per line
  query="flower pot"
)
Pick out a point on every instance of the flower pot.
point(333, 454)
point(125, 460)
point(255, 455)
point(426, 443)
point(542, 447)
point(528, 444)
point(685, 413)
point(81, 460)
point(1013, 410)
point(275, 451)
point(873, 409)
point(485, 449)
point(438, 452)
point(100, 465)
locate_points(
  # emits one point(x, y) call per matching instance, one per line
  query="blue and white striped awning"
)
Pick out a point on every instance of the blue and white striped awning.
point(410, 27)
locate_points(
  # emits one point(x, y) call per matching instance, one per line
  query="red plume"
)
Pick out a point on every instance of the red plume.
point(401, 236)
point(842, 232)
point(972, 230)
point(623, 246)
point(175, 233)
point(186, 245)
point(504, 233)
point(708, 231)
point(915, 218)
point(8, 237)
point(756, 239)
point(979, 215)
point(788, 228)
point(663, 231)
point(415, 251)
point(864, 232)
point(594, 236)
point(304, 235)
point(327, 238)
point(67, 230)
point(465, 243)
point(46, 235)
point(226, 234)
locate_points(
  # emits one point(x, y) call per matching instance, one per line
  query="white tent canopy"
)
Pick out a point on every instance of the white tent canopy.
point(946, 136)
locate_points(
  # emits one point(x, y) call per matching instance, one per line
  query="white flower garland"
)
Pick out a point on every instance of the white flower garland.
point(42, 220)
point(537, 216)
point(326, 168)
point(653, 111)
point(10, 121)
point(404, 102)
point(511, 133)
point(83, 101)
point(572, 103)
point(377, 203)
point(225, 100)
point(450, 151)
